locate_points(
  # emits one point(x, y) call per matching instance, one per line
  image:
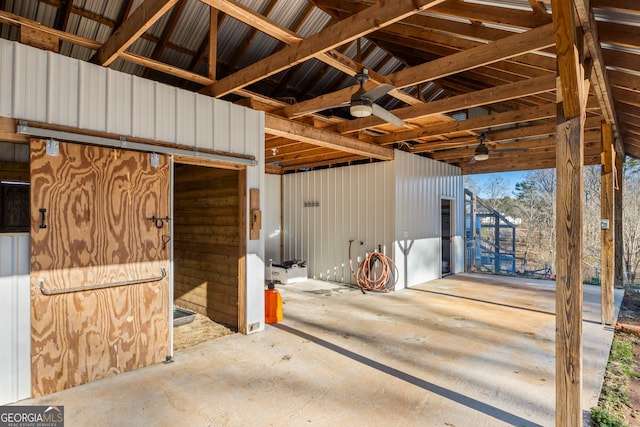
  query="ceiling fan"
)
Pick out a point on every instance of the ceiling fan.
point(362, 101)
point(482, 151)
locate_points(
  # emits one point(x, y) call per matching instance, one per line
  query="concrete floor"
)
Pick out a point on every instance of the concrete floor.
point(467, 350)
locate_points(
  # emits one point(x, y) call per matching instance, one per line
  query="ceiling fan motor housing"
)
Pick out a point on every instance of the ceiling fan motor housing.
point(482, 152)
point(360, 106)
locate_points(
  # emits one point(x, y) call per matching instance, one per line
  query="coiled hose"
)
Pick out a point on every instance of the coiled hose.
point(377, 272)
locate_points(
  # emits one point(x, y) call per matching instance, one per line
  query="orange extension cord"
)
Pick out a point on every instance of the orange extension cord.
point(372, 276)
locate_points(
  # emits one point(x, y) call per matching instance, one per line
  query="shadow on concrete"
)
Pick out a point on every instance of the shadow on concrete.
point(425, 385)
point(445, 294)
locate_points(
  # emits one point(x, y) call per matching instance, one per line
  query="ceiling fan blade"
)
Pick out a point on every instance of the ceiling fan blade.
point(315, 110)
point(378, 91)
point(472, 160)
point(508, 150)
point(387, 116)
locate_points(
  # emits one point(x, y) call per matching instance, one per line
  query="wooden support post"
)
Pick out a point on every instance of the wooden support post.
point(617, 212)
point(607, 227)
point(242, 252)
point(569, 215)
point(572, 91)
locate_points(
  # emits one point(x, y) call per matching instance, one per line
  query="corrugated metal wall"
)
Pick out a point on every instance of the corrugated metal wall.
point(271, 218)
point(15, 314)
point(325, 209)
point(47, 87)
point(252, 136)
point(392, 204)
point(421, 183)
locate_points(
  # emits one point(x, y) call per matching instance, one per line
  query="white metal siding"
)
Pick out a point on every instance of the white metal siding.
point(185, 116)
point(166, 116)
point(6, 80)
point(62, 90)
point(354, 203)
point(92, 92)
point(29, 82)
point(253, 138)
point(15, 324)
point(271, 218)
point(421, 183)
point(119, 113)
point(47, 87)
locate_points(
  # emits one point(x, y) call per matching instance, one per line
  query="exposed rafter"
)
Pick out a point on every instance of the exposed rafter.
point(131, 29)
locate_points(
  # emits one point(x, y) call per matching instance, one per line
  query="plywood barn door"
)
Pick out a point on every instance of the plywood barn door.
point(97, 231)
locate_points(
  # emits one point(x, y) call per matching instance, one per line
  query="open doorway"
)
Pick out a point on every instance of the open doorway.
point(446, 231)
point(208, 246)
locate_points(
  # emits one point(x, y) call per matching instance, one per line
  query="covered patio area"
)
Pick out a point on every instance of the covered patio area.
point(465, 350)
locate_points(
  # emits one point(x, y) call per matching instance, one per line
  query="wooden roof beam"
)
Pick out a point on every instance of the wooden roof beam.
point(490, 120)
point(492, 14)
point(599, 74)
point(331, 57)
point(468, 100)
point(131, 29)
point(94, 45)
point(504, 48)
point(365, 22)
point(280, 126)
point(508, 47)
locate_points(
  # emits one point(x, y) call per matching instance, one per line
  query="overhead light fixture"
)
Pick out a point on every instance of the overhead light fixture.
point(482, 153)
point(361, 107)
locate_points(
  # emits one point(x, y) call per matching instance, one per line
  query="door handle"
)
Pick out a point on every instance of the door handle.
point(43, 218)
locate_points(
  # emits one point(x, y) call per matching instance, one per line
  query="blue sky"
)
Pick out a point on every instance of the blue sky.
point(510, 178)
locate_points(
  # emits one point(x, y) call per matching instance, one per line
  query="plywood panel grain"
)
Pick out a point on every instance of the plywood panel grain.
point(97, 201)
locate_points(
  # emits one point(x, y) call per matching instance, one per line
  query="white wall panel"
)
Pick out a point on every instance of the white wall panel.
point(119, 103)
point(237, 129)
point(204, 119)
point(62, 90)
point(271, 218)
point(165, 113)
point(254, 138)
point(354, 203)
point(15, 326)
point(46, 87)
point(221, 125)
point(421, 184)
point(92, 94)
point(30, 83)
point(6, 78)
point(185, 117)
point(143, 108)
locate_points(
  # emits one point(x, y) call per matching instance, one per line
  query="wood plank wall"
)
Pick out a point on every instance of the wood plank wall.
point(207, 241)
